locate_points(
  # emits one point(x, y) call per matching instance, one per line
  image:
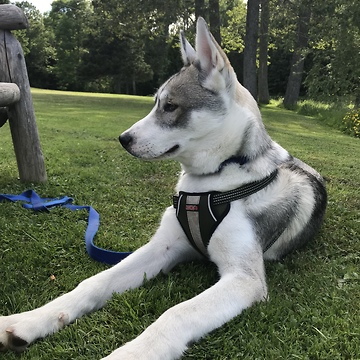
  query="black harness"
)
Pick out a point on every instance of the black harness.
point(200, 214)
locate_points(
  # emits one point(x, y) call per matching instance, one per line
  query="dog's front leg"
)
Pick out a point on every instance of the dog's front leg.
point(165, 250)
point(241, 284)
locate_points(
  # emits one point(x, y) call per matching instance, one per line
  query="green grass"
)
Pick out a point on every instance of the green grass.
point(313, 309)
point(328, 114)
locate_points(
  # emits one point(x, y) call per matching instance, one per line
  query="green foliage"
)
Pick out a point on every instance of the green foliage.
point(331, 114)
point(131, 46)
point(312, 311)
point(335, 115)
point(115, 46)
point(335, 38)
point(351, 122)
point(69, 21)
point(38, 47)
point(233, 31)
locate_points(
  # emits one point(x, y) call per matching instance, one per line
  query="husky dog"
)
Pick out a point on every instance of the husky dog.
point(241, 198)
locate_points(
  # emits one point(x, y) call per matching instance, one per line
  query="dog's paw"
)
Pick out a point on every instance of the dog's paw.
point(20, 330)
point(14, 342)
point(10, 337)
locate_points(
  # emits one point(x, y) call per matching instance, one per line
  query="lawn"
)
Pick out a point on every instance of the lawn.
point(313, 310)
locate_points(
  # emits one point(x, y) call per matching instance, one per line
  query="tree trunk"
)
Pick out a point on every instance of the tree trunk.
point(133, 86)
point(298, 59)
point(200, 9)
point(263, 86)
point(252, 24)
point(357, 101)
point(214, 19)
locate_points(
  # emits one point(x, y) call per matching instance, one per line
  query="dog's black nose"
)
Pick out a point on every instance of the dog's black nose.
point(125, 140)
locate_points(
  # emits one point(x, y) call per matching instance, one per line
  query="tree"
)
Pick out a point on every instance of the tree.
point(233, 28)
point(38, 51)
point(129, 42)
point(214, 19)
point(300, 52)
point(200, 9)
point(132, 45)
point(114, 54)
point(263, 87)
point(335, 71)
point(251, 37)
point(69, 20)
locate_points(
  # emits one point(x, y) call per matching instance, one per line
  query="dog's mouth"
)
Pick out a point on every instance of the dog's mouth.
point(150, 156)
point(172, 150)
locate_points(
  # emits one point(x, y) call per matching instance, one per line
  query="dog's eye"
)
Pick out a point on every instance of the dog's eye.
point(169, 107)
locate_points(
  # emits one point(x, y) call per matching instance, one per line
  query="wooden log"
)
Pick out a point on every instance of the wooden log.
point(12, 18)
point(22, 120)
point(9, 94)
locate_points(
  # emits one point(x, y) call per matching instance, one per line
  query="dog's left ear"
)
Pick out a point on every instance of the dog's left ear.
point(208, 51)
point(217, 73)
point(187, 51)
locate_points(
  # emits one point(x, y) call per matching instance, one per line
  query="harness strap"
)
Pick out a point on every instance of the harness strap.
point(34, 201)
point(245, 190)
point(238, 193)
point(199, 214)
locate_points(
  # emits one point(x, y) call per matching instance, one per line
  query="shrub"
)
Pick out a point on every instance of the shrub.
point(330, 114)
point(351, 122)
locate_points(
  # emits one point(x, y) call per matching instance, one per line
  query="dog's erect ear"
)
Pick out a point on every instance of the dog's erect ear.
point(187, 51)
point(208, 51)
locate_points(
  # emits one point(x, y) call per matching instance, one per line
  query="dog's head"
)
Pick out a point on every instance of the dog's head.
point(200, 113)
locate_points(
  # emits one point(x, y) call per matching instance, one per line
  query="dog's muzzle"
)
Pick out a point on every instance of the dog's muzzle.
point(128, 141)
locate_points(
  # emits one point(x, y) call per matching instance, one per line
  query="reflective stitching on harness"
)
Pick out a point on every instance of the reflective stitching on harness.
point(178, 207)
point(209, 206)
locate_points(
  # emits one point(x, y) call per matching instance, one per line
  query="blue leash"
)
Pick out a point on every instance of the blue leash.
point(34, 201)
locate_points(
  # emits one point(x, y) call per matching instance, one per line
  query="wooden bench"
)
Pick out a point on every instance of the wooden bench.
point(15, 98)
